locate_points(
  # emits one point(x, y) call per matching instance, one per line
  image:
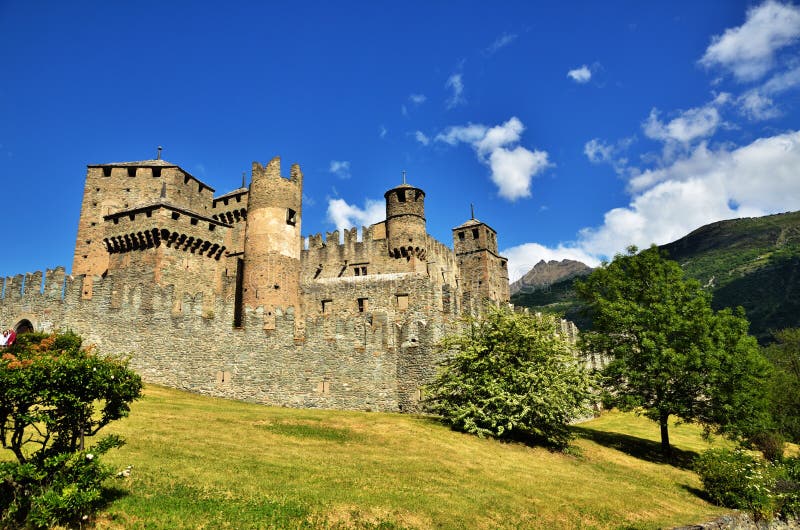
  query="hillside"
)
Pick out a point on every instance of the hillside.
point(752, 262)
point(200, 462)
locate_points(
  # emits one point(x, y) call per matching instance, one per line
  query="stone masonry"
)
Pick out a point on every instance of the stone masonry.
point(224, 296)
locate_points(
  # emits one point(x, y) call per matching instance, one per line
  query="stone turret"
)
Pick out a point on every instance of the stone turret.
point(484, 273)
point(272, 240)
point(405, 223)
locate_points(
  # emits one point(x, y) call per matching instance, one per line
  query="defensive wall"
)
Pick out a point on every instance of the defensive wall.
point(370, 360)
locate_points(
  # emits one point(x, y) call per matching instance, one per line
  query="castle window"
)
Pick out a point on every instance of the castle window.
point(327, 307)
point(461, 235)
point(211, 227)
point(363, 271)
point(362, 304)
point(357, 271)
point(193, 221)
point(402, 302)
point(94, 224)
point(176, 216)
point(149, 213)
point(474, 233)
point(106, 171)
point(291, 217)
point(324, 387)
point(156, 172)
point(131, 171)
point(401, 195)
point(97, 189)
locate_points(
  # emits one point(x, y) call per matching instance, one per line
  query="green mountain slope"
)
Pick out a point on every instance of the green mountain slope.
point(753, 263)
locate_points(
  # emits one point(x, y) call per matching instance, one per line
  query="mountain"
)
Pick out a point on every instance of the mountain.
point(546, 273)
point(751, 262)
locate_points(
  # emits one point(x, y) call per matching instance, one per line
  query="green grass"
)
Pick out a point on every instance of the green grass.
point(201, 462)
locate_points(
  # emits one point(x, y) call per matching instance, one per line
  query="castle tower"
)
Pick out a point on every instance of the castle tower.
point(121, 186)
point(271, 272)
point(484, 273)
point(405, 224)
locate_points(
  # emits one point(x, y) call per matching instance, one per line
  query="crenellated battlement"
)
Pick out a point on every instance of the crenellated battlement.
point(272, 171)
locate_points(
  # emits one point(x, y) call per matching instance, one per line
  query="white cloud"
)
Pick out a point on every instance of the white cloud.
point(600, 152)
point(749, 50)
point(456, 85)
point(702, 187)
point(758, 103)
point(500, 42)
point(580, 75)
point(692, 124)
point(757, 106)
point(344, 215)
point(340, 168)
point(417, 99)
point(382, 131)
point(421, 138)
point(513, 167)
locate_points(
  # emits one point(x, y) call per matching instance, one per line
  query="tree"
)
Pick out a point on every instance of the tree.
point(53, 394)
point(670, 353)
point(784, 354)
point(511, 374)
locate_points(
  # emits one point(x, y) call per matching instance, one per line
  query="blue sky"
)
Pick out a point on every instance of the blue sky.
point(576, 129)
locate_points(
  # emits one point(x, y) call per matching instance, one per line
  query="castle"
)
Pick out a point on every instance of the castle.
point(224, 296)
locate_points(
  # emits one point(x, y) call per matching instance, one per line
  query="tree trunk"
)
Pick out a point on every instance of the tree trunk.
point(666, 450)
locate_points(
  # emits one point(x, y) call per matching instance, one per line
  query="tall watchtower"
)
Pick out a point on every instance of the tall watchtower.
point(271, 273)
point(405, 222)
point(484, 273)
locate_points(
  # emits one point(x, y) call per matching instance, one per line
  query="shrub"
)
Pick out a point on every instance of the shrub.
point(737, 479)
point(511, 375)
point(54, 394)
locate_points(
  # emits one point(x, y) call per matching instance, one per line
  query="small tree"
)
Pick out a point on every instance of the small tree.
point(511, 374)
point(53, 394)
point(671, 355)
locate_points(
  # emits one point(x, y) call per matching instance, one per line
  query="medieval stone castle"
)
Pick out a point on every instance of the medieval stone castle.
point(223, 296)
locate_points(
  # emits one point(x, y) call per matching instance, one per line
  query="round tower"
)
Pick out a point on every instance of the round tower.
point(405, 222)
point(273, 242)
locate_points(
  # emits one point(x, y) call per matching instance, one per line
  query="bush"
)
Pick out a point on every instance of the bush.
point(737, 479)
point(511, 375)
point(54, 394)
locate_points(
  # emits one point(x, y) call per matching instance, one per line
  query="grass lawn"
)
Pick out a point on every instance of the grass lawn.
point(200, 462)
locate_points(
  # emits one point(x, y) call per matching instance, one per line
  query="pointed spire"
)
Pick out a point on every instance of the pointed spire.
point(472, 211)
point(404, 176)
point(158, 156)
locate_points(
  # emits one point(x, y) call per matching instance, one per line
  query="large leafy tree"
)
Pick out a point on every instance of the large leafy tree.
point(511, 375)
point(669, 353)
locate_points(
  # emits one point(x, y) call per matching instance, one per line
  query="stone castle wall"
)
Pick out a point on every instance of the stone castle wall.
point(372, 360)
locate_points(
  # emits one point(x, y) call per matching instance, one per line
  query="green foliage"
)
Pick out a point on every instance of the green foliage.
point(511, 374)
point(784, 354)
point(53, 394)
point(736, 479)
point(670, 354)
